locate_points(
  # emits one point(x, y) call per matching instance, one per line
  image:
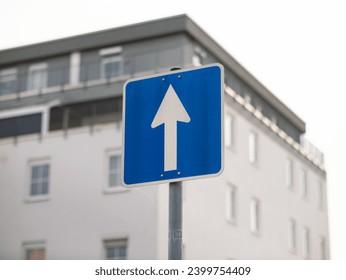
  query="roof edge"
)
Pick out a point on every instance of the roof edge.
point(127, 33)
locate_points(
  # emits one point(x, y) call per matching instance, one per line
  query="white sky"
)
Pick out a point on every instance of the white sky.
point(296, 48)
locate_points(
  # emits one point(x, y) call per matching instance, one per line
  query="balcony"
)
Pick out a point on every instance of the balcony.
point(42, 79)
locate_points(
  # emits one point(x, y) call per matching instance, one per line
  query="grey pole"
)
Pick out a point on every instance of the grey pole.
point(175, 233)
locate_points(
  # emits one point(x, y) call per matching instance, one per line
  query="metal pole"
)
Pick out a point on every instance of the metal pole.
point(175, 233)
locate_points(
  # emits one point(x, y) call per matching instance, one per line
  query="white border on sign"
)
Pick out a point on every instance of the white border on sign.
point(222, 127)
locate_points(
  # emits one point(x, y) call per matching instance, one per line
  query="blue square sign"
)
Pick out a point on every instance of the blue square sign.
point(173, 126)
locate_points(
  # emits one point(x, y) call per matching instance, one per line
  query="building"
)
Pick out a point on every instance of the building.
point(60, 145)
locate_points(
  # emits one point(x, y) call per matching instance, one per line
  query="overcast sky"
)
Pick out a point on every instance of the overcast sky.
point(297, 49)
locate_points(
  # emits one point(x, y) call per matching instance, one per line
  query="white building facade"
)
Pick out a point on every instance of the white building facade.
point(60, 148)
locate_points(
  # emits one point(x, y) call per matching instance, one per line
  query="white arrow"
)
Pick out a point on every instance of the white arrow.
point(169, 113)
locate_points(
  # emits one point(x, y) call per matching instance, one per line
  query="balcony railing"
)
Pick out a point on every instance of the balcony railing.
point(311, 150)
point(17, 85)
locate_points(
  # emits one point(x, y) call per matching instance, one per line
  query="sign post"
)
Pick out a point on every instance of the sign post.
point(175, 230)
point(172, 132)
point(175, 210)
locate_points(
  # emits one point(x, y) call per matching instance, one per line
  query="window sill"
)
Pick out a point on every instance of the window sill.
point(293, 251)
point(117, 189)
point(256, 233)
point(38, 198)
point(231, 221)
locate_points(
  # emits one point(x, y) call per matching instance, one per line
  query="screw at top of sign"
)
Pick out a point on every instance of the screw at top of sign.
point(179, 77)
point(163, 79)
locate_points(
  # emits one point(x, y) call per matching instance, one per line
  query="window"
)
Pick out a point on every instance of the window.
point(231, 203)
point(114, 171)
point(323, 255)
point(254, 216)
point(292, 239)
point(303, 184)
point(37, 76)
point(228, 130)
point(86, 113)
point(306, 243)
point(289, 174)
point(8, 81)
point(115, 249)
point(39, 183)
point(34, 251)
point(320, 197)
point(111, 66)
point(252, 147)
point(111, 62)
point(20, 125)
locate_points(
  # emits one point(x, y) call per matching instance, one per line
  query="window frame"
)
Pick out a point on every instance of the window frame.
point(38, 197)
point(292, 236)
point(111, 53)
point(253, 147)
point(107, 189)
point(320, 196)
point(9, 72)
point(304, 187)
point(231, 203)
point(306, 242)
point(43, 81)
point(289, 179)
point(323, 248)
point(115, 242)
point(229, 130)
point(255, 216)
point(34, 245)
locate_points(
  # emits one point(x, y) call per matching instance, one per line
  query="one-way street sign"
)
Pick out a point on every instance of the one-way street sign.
point(173, 126)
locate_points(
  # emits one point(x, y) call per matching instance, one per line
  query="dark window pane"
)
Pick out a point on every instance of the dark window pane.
point(45, 171)
point(35, 172)
point(34, 189)
point(44, 188)
point(20, 125)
